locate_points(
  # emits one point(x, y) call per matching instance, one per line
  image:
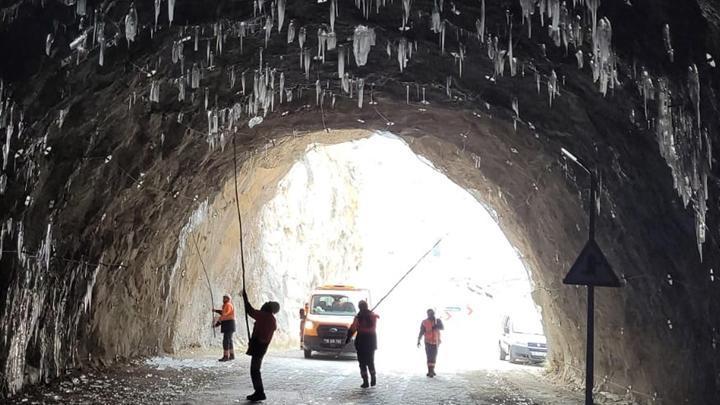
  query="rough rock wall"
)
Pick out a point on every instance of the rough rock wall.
point(116, 173)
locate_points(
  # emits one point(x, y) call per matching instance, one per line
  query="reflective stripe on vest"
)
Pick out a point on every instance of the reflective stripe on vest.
point(432, 336)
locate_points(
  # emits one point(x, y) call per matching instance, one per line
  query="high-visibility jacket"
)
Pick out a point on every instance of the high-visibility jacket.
point(228, 312)
point(431, 331)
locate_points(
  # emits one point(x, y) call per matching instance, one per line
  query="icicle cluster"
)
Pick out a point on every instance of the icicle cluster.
point(131, 24)
point(363, 41)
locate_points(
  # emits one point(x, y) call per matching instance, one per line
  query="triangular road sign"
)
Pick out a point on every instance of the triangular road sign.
point(592, 268)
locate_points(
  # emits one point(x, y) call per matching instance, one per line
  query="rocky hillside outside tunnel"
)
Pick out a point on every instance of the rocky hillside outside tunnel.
point(110, 172)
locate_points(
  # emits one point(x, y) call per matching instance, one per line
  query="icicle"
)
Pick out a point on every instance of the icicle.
point(171, 10)
point(81, 8)
point(511, 58)
point(442, 38)
point(197, 39)
point(131, 24)
point(363, 41)
point(268, 30)
point(424, 102)
point(242, 82)
point(694, 90)
point(346, 83)
point(291, 32)
point(528, 9)
point(401, 54)
point(207, 98)
point(406, 14)
point(481, 26)
point(181, 90)
point(155, 91)
point(448, 83)
point(308, 60)
point(282, 86)
point(407, 94)
point(331, 41)
point(552, 87)
point(318, 90)
point(333, 14)
point(580, 60)
point(49, 43)
point(435, 21)
point(157, 12)
point(341, 62)
point(361, 90)
point(281, 14)
point(301, 37)
point(195, 76)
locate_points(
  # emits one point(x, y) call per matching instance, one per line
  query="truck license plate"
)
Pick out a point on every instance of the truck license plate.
point(333, 341)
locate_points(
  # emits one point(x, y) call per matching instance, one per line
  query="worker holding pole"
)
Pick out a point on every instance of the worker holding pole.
point(365, 342)
point(226, 322)
point(265, 326)
point(430, 329)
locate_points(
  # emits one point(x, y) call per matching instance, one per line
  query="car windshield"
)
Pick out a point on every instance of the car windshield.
point(333, 304)
point(528, 326)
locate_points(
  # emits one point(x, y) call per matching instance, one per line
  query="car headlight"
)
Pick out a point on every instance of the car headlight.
point(309, 325)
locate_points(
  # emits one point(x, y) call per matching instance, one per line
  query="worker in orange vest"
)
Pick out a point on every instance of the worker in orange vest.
point(430, 329)
point(226, 322)
point(365, 342)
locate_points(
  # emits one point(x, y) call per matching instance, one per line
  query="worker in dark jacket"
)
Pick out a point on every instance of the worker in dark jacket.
point(226, 322)
point(263, 330)
point(365, 342)
point(430, 329)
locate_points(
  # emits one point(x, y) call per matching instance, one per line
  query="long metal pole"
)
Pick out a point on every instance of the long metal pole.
point(242, 254)
point(590, 350)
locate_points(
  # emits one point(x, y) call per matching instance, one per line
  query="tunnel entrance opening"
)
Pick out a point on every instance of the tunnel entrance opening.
point(362, 213)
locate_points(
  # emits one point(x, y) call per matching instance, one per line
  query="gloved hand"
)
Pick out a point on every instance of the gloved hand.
point(217, 324)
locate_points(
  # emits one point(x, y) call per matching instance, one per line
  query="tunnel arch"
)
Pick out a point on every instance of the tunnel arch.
point(102, 234)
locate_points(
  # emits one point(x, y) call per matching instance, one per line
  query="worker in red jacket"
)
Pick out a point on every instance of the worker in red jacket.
point(263, 330)
point(365, 342)
point(430, 329)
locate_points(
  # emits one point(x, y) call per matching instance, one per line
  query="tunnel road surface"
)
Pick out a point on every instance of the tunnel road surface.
point(291, 379)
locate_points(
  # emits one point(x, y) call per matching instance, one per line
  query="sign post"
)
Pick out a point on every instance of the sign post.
point(591, 269)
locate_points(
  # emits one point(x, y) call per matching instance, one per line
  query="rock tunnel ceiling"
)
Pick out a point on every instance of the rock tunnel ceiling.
point(119, 117)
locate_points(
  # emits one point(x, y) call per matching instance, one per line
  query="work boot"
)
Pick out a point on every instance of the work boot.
point(257, 396)
point(232, 355)
point(428, 373)
point(372, 380)
point(224, 358)
point(431, 374)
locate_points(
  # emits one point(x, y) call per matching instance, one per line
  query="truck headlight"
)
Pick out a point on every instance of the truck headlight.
point(309, 325)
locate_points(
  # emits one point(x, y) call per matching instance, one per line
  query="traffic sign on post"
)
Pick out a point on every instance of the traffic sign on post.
point(592, 268)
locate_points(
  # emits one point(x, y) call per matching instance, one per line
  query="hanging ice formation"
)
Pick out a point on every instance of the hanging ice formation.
point(363, 41)
point(49, 43)
point(604, 69)
point(442, 38)
point(481, 24)
point(282, 86)
point(341, 62)
point(155, 91)
point(552, 87)
point(647, 89)
point(435, 20)
point(81, 7)
point(406, 14)
point(694, 91)
point(291, 32)
point(511, 59)
point(157, 12)
point(333, 14)
point(100, 38)
point(301, 36)
point(580, 59)
point(528, 9)
point(195, 81)
point(181, 89)
point(361, 90)
point(402, 57)
point(280, 14)
point(171, 10)
point(131, 24)
point(668, 43)
point(318, 90)
point(593, 6)
point(516, 110)
point(268, 29)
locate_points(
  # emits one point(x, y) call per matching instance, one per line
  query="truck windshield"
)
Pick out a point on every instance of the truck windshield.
point(333, 304)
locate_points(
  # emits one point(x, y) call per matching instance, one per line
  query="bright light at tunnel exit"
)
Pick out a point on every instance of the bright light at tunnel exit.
point(362, 213)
